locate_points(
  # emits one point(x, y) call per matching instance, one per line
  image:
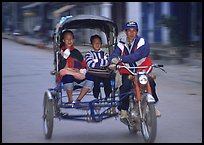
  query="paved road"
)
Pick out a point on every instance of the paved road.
point(25, 77)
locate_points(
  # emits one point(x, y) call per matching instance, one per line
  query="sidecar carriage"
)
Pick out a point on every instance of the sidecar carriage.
point(55, 99)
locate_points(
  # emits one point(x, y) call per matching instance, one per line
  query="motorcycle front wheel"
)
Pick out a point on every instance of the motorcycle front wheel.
point(148, 122)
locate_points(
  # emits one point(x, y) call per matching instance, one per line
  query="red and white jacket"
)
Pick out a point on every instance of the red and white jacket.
point(136, 55)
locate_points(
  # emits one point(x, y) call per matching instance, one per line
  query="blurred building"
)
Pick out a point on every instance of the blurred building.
point(186, 17)
point(12, 19)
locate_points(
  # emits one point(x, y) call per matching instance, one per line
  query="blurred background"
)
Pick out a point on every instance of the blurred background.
point(157, 20)
point(174, 31)
point(176, 26)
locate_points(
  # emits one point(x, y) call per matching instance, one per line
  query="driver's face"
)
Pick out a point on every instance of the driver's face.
point(131, 34)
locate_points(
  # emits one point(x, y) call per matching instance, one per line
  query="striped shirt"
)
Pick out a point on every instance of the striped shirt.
point(97, 59)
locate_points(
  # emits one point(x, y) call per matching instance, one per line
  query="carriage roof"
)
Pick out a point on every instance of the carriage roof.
point(87, 22)
point(100, 23)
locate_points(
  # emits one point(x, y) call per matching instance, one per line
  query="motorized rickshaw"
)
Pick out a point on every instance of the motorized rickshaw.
point(141, 112)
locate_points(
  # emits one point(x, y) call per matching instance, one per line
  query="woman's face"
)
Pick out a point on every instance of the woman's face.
point(68, 40)
point(96, 44)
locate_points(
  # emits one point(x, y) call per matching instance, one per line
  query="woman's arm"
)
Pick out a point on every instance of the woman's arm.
point(74, 72)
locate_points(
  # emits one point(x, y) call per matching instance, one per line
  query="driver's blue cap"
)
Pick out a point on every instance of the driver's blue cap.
point(131, 24)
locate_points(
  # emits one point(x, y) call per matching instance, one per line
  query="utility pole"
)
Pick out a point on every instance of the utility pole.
point(14, 15)
point(43, 10)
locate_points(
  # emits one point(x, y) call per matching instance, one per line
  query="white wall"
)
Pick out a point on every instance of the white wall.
point(134, 13)
point(106, 9)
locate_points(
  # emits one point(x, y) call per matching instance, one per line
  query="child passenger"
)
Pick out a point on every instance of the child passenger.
point(96, 58)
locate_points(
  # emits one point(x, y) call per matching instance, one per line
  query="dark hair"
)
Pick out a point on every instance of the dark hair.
point(94, 37)
point(67, 31)
point(63, 34)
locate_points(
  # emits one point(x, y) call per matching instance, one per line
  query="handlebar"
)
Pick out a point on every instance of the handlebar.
point(142, 72)
point(160, 65)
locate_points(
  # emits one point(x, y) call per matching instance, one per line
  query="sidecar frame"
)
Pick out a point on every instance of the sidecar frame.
point(100, 23)
point(54, 96)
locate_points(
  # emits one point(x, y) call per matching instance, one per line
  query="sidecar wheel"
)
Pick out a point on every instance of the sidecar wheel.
point(48, 117)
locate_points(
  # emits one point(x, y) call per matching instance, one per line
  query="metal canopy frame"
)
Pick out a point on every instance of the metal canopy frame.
point(89, 21)
point(101, 23)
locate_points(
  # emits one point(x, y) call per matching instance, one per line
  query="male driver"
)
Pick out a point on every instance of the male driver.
point(132, 50)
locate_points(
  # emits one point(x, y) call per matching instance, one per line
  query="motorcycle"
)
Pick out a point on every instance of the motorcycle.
point(141, 113)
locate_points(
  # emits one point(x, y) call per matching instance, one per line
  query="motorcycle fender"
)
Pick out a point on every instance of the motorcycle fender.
point(49, 95)
point(150, 98)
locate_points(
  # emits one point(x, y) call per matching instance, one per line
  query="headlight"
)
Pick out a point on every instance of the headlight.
point(143, 79)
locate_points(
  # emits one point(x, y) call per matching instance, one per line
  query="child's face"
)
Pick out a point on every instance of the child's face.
point(96, 44)
point(68, 40)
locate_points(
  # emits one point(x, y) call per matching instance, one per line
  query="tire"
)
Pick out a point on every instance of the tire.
point(48, 116)
point(149, 123)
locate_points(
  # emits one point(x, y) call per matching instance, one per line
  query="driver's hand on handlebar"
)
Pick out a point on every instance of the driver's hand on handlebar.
point(112, 66)
point(114, 63)
point(115, 60)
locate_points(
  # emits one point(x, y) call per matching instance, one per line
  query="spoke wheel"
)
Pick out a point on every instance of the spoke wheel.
point(48, 116)
point(149, 123)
